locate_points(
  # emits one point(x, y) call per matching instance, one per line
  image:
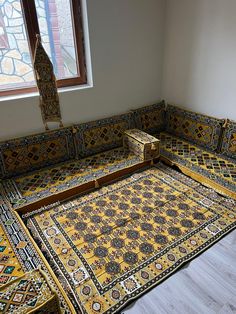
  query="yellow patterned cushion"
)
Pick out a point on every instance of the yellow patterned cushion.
point(101, 135)
point(151, 118)
point(10, 267)
point(33, 152)
point(196, 128)
point(40, 184)
point(219, 170)
point(229, 140)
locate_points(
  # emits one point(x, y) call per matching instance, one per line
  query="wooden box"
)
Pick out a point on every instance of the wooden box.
point(142, 144)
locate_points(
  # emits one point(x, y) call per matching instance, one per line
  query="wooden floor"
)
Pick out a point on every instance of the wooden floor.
point(206, 285)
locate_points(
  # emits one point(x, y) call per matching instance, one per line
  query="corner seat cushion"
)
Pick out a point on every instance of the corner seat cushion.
point(228, 147)
point(40, 184)
point(194, 127)
point(32, 152)
point(150, 119)
point(214, 170)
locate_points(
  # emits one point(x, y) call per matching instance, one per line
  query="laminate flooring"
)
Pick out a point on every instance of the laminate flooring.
point(206, 285)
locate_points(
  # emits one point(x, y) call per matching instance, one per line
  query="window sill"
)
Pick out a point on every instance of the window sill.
point(36, 94)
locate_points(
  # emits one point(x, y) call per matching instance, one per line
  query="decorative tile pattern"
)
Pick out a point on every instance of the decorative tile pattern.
point(151, 118)
point(101, 135)
point(113, 244)
point(196, 128)
point(34, 152)
point(40, 184)
point(30, 292)
point(217, 168)
point(229, 140)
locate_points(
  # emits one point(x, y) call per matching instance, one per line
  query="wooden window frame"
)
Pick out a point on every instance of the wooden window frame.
point(32, 28)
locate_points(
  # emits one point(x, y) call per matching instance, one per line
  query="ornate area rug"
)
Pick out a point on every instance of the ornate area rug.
point(110, 246)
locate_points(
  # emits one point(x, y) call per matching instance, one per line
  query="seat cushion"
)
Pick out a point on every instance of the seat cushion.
point(101, 135)
point(40, 184)
point(32, 152)
point(150, 119)
point(228, 147)
point(194, 127)
point(211, 169)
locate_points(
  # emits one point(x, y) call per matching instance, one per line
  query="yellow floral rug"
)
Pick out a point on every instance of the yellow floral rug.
point(112, 245)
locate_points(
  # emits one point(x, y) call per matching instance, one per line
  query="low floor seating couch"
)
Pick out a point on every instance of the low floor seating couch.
point(194, 143)
point(201, 146)
point(40, 169)
point(36, 167)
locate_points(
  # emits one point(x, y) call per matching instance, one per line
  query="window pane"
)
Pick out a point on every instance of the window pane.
point(57, 35)
point(16, 69)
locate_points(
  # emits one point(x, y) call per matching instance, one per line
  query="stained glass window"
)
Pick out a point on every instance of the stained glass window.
point(59, 23)
point(15, 60)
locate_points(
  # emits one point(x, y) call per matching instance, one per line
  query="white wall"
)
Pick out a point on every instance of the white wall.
point(199, 69)
point(126, 49)
point(126, 37)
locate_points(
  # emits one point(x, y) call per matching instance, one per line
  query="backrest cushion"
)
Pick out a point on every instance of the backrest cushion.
point(194, 127)
point(228, 146)
point(101, 135)
point(29, 153)
point(150, 119)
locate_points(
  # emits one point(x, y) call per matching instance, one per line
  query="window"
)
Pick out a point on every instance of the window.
point(59, 22)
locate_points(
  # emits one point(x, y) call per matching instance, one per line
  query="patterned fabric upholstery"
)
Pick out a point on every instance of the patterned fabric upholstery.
point(194, 127)
point(150, 119)
point(27, 294)
point(34, 152)
point(10, 267)
point(217, 168)
point(229, 140)
point(47, 86)
point(141, 144)
point(101, 135)
point(40, 184)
